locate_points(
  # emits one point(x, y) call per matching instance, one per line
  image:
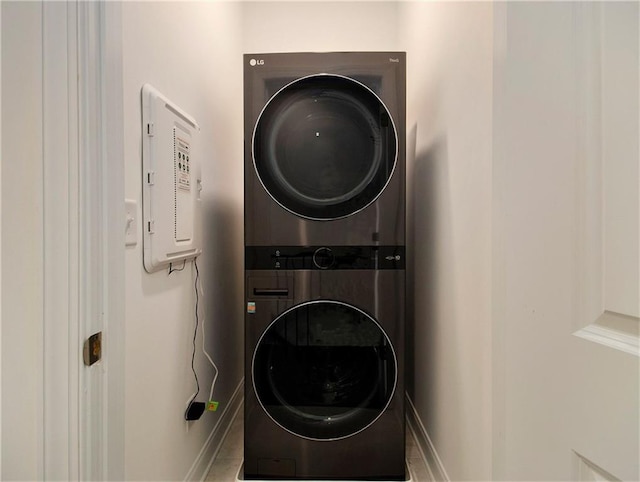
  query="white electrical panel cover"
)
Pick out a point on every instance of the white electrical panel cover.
point(171, 183)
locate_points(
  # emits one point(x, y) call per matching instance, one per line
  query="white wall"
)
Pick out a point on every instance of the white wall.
point(189, 51)
point(319, 26)
point(449, 51)
point(22, 247)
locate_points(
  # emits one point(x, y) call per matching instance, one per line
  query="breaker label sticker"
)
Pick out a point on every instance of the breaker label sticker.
point(182, 164)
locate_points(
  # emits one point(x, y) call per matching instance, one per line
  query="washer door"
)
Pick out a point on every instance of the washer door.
point(324, 147)
point(324, 370)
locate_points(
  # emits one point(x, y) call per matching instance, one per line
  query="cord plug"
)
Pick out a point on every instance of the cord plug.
point(212, 406)
point(194, 411)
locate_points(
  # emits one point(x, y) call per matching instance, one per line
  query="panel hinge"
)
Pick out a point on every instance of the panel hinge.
point(151, 226)
point(151, 178)
point(151, 129)
point(92, 349)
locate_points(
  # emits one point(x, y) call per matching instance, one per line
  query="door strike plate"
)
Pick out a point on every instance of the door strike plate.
point(92, 350)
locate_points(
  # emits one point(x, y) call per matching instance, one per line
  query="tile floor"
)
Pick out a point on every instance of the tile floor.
point(229, 459)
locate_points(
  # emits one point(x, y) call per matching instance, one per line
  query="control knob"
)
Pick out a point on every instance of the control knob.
point(323, 258)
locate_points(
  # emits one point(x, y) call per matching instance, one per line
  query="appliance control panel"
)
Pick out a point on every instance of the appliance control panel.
point(324, 257)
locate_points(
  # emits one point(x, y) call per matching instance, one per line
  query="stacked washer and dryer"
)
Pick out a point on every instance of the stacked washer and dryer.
point(324, 266)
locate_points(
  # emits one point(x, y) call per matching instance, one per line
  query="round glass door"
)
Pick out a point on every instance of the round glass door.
point(324, 370)
point(324, 147)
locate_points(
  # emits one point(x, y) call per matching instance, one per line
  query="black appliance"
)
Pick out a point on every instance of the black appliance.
point(324, 149)
point(324, 266)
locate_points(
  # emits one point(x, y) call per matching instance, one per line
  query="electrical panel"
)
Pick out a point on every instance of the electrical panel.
point(171, 183)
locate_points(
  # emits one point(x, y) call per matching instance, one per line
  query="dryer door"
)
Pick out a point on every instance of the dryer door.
point(324, 147)
point(324, 370)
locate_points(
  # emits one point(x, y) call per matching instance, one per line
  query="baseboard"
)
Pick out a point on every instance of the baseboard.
point(425, 446)
point(211, 447)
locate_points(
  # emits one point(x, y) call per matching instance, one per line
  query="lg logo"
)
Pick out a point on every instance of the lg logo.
point(254, 62)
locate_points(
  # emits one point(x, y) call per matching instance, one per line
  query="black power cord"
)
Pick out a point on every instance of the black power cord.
point(195, 409)
point(173, 270)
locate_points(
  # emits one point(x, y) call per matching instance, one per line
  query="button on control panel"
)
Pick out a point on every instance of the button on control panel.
point(323, 258)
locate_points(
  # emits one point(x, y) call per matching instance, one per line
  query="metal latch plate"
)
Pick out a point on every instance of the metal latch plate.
point(92, 350)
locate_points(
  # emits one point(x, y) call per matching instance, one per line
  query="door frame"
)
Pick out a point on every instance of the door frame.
point(60, 314)
point(83, 432)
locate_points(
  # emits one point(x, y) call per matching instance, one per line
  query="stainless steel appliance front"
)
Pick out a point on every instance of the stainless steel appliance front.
point(324, 148)
point(324, 365)
point(325, 260)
